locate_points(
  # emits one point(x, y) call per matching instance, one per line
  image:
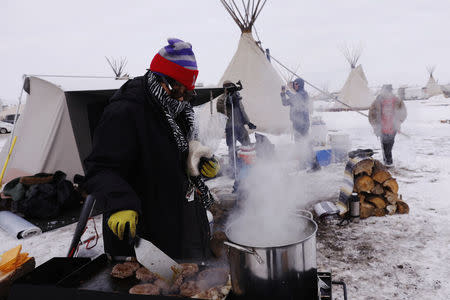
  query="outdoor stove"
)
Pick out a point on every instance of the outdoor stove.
point(85, 279)
point(324, 287)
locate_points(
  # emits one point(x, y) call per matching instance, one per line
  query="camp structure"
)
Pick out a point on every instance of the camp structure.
point(355, 94)
point(432, 88)
point(55, 130)
point(250, 64)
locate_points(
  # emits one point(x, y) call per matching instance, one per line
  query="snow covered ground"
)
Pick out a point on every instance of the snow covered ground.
point(400, 256)
point(392, 257)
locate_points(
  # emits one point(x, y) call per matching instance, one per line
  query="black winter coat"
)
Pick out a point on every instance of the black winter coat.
point(135, 164)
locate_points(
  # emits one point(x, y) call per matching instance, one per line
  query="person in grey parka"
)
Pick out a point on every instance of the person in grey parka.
point(299, 107)
point(299, 114)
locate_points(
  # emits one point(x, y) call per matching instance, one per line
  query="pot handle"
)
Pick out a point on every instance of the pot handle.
point(306, 213)
point(246, 250)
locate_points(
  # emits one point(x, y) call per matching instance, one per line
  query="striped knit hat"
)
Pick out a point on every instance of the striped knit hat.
point(177, 61)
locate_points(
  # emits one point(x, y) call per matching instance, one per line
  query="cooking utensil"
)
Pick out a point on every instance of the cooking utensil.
point(154, 259)
point(285, 270)
point(86, 212)
point(304, 213)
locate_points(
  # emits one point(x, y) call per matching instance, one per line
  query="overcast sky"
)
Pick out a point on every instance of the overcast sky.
point(400, 37)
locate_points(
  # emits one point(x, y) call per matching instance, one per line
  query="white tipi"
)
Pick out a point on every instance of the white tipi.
point(432, 88)
point(261, 82)
point(355, 92)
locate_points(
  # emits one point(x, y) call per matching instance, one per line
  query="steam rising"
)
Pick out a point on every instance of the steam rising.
point(272, 192)
point(209, 128)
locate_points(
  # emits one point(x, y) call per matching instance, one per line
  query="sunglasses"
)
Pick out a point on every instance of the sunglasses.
point(174, 87)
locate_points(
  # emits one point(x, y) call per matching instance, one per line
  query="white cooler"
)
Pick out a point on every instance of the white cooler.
point(340, 145)
point(318, 132)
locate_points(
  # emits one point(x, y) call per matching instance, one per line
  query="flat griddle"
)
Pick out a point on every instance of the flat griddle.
point(96, 276)
point(78, 278)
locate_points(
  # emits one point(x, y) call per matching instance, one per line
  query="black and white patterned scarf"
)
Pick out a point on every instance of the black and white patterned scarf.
point(175, 109)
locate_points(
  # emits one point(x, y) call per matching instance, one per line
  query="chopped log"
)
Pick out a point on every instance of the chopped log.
point(380, 173)
point(379, 212)
point(391, 209)
point(402, 207)
point(364, 184)
point(366, 210)
point(381, 176)
point(392, 185)
point(391, 197)
point(364, 166)
point(377, 201)
point(378, 165)
point(361, 197)
point(378, 189)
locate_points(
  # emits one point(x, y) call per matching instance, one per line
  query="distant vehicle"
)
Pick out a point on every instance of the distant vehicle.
point(10, 118)
point(5, 127)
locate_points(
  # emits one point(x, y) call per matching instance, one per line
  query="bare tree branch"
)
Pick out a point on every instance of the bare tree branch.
point(117, 65)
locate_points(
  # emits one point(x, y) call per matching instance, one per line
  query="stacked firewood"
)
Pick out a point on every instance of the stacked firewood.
point(377, 190)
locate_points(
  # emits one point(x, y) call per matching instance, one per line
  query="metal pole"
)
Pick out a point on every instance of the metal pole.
point(210, 102)
point(234, 139)
point(17, 111)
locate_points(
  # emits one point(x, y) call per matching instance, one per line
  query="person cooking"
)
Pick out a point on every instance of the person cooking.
point(138, 168)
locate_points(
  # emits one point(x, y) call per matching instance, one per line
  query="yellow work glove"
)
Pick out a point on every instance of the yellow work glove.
point(117, 222)
point(209, 167)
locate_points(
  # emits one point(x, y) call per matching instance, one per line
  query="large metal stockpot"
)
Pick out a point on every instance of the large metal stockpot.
point(285, 271)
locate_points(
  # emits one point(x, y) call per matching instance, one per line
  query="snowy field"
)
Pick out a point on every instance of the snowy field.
point(392, 257)
point(399, 256)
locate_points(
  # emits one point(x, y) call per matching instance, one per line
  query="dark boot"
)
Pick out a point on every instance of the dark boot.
point(315, 166)
point(387, 143)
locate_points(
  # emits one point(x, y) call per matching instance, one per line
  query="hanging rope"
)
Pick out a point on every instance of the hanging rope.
point(317, 88)
point(326, 93)
point(307, 82)
point(74, 76)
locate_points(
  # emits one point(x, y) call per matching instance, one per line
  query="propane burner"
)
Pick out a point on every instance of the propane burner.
point(324, 286)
